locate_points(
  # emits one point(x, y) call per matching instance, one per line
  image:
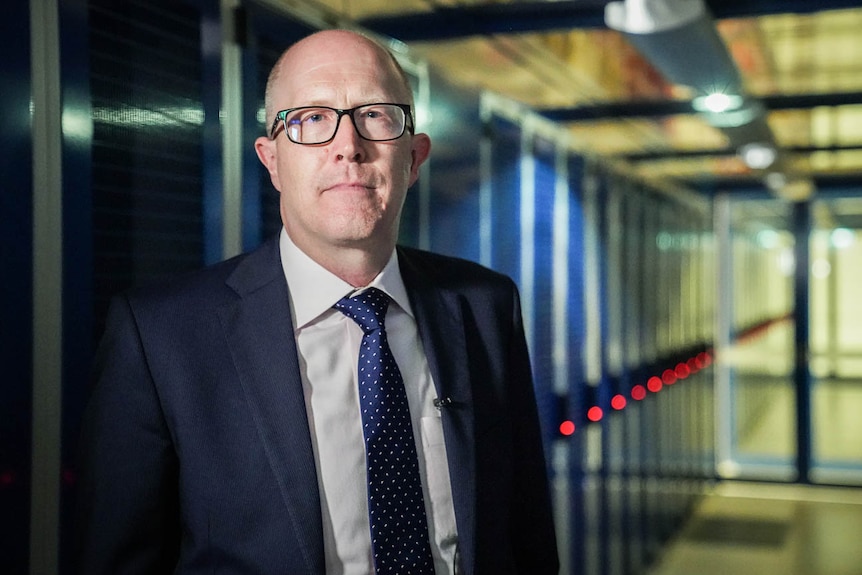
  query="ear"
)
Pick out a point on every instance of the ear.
point(419, 150)
point(267, 154)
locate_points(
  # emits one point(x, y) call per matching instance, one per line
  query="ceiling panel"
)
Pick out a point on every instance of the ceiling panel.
point(812, 53)
point(559, 55)
point(823, 127)
point(635, 137)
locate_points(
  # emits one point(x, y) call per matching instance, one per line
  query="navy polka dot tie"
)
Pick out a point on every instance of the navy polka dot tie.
point(399, 530)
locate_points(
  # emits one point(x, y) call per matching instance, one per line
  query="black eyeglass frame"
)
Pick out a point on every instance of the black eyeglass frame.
point(280, 116)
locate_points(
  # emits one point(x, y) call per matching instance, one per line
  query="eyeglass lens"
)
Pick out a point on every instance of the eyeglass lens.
point(374, 122)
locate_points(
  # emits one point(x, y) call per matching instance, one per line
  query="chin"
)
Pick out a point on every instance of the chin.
point(358, 235)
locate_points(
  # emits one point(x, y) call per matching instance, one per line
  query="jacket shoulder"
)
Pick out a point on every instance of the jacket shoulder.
point(450, 272)
point(211, 285)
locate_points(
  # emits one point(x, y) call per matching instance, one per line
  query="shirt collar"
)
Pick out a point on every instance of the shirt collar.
point(314, 289)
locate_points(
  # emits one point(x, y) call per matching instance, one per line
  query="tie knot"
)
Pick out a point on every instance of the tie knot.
point(367, 309)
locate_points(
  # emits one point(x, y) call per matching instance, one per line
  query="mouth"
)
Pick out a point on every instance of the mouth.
point(350, 187)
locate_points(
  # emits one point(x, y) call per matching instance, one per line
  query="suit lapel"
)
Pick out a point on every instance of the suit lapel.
point(441, 328)
point(260, 336)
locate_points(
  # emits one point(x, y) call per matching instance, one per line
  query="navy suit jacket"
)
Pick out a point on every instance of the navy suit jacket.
point(196, 453)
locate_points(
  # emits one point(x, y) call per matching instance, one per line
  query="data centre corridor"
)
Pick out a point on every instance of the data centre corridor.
point(694, 326)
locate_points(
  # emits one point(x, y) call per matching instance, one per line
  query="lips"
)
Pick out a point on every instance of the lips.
point(350, 186)
point(350, 180)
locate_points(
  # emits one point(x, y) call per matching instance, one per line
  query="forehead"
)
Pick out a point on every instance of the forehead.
point(338, 71)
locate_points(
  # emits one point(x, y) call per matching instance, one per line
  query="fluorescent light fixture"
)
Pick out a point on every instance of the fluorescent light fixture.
point(757, 155)
point(652, 16)
point(775, 181)
point(733, 118)
point(842, 238)
point(717, 102)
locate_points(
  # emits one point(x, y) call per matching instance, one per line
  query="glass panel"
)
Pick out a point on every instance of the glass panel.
point(836, 342)
point(761, 355)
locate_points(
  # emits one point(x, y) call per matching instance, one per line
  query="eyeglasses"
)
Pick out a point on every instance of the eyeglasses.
point(310, 125)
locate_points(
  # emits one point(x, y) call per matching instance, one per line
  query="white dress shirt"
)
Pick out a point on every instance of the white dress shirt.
point(328, 346)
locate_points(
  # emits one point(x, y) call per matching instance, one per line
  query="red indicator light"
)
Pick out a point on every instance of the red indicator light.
point(638, 392)
point(567, 427)
point(705, 358)
point(7, 478)
point(618, 402)
point(595, 413)
point(668, 377)
point(654, 384)
point(693, 365)
point(682, 371)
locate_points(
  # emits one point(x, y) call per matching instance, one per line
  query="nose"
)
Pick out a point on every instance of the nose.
point(347, 142)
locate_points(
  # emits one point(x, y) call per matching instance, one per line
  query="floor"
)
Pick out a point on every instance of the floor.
point(763, 529)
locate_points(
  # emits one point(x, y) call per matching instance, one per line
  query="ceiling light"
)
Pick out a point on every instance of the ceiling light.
point(717, 102)
point(651, 16)
point(775, 181)
point(757, 155)
point(842, 238)
point(734, 118)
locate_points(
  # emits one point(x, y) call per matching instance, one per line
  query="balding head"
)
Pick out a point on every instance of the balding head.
point(297, 64)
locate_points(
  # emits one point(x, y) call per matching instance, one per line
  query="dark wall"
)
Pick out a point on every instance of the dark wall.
point(16, 311)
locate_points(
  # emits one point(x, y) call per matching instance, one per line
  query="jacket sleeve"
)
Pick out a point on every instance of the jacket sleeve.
point(128, 510)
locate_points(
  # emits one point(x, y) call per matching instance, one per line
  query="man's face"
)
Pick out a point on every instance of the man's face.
point(347, 193)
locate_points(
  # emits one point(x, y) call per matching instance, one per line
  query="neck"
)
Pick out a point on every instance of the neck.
point(356, 265)
point(356, 268)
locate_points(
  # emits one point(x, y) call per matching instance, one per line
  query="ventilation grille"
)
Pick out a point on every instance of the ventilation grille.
point(145, 66)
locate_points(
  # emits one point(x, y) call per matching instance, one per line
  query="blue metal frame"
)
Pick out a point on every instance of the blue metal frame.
point(213, 178)
point(801, 375)
point(660, 109)
point(445, 23)
point(544, 160)
point(454, 175)
point(506, 170)
point(577, 401)
point(604, 388)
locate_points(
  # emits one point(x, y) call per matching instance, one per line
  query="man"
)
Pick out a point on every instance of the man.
point(227, 430)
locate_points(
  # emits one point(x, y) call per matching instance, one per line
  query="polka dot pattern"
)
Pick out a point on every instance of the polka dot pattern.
point(399, 529)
